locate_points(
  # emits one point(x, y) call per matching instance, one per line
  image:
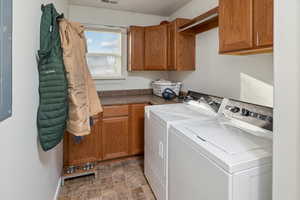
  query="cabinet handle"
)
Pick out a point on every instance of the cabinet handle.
point(161, 150)
point(257, 38)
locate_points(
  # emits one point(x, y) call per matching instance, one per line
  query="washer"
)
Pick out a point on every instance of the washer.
point(157, 121)
point(217, 160)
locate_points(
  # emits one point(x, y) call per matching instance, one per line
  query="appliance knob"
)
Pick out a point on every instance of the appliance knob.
point(245, 112)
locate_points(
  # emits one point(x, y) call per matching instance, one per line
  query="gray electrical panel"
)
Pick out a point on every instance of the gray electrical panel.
point(5, 59)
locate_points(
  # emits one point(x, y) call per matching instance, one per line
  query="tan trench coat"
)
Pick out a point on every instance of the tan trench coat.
point(83, 99)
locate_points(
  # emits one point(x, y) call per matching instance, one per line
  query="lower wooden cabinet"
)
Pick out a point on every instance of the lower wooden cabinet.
point(118, 132)
point(115, 137)
point(87, 150)
point(136, 139)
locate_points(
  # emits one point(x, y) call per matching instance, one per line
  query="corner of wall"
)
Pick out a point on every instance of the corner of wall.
point(58, 189)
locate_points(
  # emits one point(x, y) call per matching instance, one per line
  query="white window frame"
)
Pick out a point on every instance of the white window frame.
point(5, 59)
point(124, 51)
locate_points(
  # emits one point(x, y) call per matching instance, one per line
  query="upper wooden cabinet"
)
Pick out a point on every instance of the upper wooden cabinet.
point(156, 43)
point(161, 47)
point(171, 46)
point(181, 47)
point(236, 27)
point(245, 26)
point(136, 48)
point(263, 22)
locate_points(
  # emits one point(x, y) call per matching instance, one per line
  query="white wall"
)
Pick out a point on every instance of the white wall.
point(248, 78)
point(27, 172)
point(93, 15)
point(286, 158)
point(62, 6)
point(100, 16)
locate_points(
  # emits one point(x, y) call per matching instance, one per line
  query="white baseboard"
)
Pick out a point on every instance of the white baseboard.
point(57, 189)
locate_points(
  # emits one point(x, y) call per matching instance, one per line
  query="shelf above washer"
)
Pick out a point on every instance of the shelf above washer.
point(202, 23)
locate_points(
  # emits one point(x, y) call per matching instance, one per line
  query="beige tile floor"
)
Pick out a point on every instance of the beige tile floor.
point(119, 180)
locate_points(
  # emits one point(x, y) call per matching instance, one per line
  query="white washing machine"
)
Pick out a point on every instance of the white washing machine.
point(157, 121)
point(219, 161)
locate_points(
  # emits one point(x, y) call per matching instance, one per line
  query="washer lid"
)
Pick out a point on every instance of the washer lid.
point(176, 112)
point(233, 149)
point(228, 138)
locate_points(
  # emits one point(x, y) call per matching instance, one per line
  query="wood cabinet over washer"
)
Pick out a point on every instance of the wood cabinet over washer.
point(245, 26)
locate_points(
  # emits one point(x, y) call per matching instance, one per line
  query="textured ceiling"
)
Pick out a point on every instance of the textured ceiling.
point(155, 7)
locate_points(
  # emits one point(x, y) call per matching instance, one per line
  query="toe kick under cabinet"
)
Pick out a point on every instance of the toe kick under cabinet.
point(118, 132)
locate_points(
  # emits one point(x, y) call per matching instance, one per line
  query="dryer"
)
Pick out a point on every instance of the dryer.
point(157, 122)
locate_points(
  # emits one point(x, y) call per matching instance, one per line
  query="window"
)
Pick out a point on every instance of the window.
point(5, 58)
point(106, 53)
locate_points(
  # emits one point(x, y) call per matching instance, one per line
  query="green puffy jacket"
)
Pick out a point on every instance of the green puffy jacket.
point(53, 89)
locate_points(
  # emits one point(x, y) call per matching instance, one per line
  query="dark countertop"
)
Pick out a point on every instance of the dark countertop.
point(132, 99)
point(139, 96)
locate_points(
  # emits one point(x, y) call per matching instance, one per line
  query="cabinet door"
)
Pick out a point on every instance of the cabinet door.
point(263, 22)
point(185, 48)
point(87, 150)
point(235, 25)
point(171, 45)
point(136, 48)
point(114, 137)
point(136, 138)
point(156, 42)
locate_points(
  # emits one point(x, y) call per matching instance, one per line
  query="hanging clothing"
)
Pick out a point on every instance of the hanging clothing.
point(53, 89)
point(83, 98)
